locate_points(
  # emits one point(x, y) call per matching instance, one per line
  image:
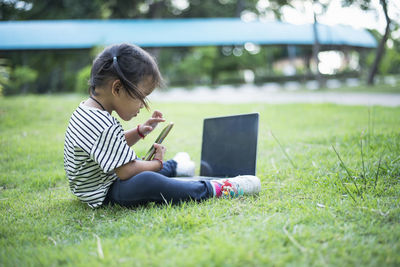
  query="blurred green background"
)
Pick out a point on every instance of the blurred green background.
point(49, 71)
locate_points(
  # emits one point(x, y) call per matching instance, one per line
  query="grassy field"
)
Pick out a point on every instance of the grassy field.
point(311, 211)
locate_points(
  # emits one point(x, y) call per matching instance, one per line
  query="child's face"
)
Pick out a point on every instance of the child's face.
point(128, 107)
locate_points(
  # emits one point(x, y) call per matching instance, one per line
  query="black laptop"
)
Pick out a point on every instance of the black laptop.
point(229, 146)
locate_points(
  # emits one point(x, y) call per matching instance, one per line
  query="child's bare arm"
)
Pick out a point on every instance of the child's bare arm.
point(133, 168)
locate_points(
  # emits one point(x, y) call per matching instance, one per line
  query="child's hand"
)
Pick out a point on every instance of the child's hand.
point(151, 123)
point(160, 151)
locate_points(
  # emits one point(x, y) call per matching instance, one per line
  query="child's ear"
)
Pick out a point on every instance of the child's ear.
point(116, 87)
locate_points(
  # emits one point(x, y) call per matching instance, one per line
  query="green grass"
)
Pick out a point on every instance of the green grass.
point(303, 216)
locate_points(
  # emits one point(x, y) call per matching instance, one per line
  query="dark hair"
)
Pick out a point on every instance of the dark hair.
point(128, 63)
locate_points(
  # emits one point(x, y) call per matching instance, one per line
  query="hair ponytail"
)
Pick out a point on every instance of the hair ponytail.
point(128, 63)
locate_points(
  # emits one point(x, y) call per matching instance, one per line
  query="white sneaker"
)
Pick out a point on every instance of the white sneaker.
point(184, 165)
point(237, 186)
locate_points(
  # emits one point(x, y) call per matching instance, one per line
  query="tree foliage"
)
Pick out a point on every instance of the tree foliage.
point(366, 5)
point(58, 70)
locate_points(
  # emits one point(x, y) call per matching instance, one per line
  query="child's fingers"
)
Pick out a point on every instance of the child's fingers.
point(157, 114)
point(152, 120)
point(159, 146)
point(160, 149)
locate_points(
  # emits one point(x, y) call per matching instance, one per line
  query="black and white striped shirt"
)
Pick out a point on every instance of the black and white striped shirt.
point(94, 147)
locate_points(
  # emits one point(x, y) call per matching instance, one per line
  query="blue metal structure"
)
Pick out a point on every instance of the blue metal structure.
point(79, 34)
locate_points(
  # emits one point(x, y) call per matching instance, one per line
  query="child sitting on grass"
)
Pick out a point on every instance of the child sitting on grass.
point(100, 165)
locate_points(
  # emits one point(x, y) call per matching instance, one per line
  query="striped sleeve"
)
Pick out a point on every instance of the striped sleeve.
point(110, 150)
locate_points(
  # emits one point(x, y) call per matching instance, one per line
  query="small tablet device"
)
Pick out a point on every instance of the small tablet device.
point(159, 140)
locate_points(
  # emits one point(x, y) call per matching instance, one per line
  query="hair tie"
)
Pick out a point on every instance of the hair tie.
point(115, 59)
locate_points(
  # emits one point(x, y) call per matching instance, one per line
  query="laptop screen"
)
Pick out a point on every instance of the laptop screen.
point(229, 146)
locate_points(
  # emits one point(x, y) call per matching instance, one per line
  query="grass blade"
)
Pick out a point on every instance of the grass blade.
point(363, 165)
point(377, 171)
point(292, 239)
point(99, 248)
point(348, 173)
point(283, 150)
point(369, 126)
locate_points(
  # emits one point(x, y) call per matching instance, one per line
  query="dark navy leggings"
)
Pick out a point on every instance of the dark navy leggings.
point(157, 187)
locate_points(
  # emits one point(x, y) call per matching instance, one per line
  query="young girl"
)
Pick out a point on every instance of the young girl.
point(101, 166)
